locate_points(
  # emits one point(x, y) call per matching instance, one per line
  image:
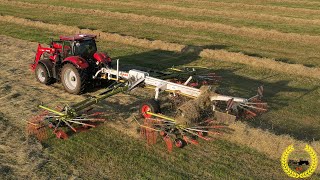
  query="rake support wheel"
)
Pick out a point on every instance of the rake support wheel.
point(180, 143)
point(149, 106)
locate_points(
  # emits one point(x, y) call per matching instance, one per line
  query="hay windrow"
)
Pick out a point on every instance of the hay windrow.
point(256, 33)
point(226, 5)
point(222, 55)
point(296, 69)
point(264, 141)
point(157, 44)
point(207, 12)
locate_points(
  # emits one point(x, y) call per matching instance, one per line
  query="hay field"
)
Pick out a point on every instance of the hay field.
point(249, 43)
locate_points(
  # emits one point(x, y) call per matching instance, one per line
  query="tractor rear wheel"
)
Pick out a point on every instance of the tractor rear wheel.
point(73, 79)
point(149, 106)
point(42, 75)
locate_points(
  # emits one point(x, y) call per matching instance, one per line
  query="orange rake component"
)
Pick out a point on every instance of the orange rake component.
point(36, 127)
point(148, 132)
point(254, 108)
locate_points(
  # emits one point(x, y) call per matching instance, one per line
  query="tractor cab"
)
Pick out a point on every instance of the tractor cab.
point(79, 45)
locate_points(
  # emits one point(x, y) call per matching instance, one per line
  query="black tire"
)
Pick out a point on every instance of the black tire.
point(73, 80)
point(180, 143)
point(42, 75)
point(153, 105)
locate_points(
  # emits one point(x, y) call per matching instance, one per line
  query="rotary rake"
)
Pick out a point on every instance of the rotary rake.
point(77, 117)
point(171, 130)
point(178, 135)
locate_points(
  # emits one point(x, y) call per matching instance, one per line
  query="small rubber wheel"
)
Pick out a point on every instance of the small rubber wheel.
point(42, 75)
point(149, 106)
point(162, 133)
point(180, 143)
point(73, 79)
point(61, 134)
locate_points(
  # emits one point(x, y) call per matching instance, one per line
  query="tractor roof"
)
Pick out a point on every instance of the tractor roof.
point(77, 37)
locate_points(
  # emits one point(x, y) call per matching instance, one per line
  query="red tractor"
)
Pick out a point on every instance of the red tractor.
point(72, 60)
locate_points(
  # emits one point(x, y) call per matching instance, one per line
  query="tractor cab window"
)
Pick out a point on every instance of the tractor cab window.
point(85, 48)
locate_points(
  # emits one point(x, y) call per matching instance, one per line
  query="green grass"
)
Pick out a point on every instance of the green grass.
point(237, 22)
point(207, 5)
point(291, 52)
point(104, 152)
point(289, 97)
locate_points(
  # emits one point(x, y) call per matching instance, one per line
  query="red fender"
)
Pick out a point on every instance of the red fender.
point(79, 62)
point(101, 57)
point(40, 51)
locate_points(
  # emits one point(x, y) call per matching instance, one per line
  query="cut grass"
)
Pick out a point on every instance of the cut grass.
point(160, 45)
point(234, 18)
point(290, 99)
point(106, 153)
point(287, 96)
point(292, 52)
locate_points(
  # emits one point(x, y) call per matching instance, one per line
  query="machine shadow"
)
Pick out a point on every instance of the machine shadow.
point(232, 84)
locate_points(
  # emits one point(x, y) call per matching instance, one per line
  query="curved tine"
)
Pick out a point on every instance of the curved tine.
point(57, 125)
point(97, 119)
point(253, 107)
point(76, 122)
point(247, 110)
point(69, 125)
point(256, 103)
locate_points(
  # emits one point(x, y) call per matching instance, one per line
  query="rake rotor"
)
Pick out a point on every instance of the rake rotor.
point(176, 134)
point(248, 109)
point(75, 117)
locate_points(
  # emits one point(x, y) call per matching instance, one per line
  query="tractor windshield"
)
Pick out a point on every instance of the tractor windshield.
point(85, 49)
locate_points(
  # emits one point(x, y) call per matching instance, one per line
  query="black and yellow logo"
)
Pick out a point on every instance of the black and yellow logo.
point(299, 168)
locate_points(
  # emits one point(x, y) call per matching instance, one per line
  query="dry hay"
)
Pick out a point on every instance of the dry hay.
point(21, 156)
point(223, 55)
point(246, 6)
point(157, 44)
point(207, 12)
point(256, 33)
point(296, 69)
point(265, 141)
point(191, 110)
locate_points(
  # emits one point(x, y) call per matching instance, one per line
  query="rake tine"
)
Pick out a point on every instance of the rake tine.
point(257, 103)
point(69, 125)
point(76, 122)
point(95, 114)
point(76, 119)
point(196, 134)
point(57, 125)
point(252, 113)
point(149, 128)
point(253, 107)
point(198, 130)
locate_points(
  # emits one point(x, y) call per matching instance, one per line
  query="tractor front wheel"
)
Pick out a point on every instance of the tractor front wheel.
point(149, 106)
point(42, 75)
point(73, 79)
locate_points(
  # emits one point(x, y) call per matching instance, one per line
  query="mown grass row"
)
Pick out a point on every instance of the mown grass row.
point(208, 17)
point(293, 114)
point(235, 81)
point(288, 97)
point(104, 152)
point(282, 51)
point(272, 9)
point(206, 53)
